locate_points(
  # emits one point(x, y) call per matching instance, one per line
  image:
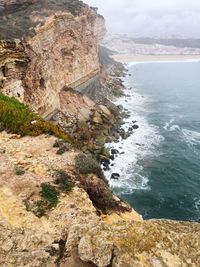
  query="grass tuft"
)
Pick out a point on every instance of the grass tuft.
point(19, 171)
point(63, 181)
point(86, 164)
point(17, 118)
point(49, 193)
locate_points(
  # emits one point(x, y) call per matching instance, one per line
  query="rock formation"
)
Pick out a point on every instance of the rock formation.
point(49, 59)
point(59, 50)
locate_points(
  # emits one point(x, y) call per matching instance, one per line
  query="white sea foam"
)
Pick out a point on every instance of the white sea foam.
point(140, 146)
point(192, 137)
point(197, 206)
point(132, 63)
point(168, 124)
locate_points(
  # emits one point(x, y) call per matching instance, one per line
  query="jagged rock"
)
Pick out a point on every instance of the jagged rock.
point(135, 127)
point(115, 176)
point(105, 110)
point(112, 157)
point(114, 151)
point(100, 255)
point(142, 244)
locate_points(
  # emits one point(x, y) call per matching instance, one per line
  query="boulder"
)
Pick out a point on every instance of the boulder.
point(135, 127)
point(114, 151)
point(115, 176)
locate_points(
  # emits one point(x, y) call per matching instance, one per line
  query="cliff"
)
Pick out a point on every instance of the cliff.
point(56, 208)
point(54, 50)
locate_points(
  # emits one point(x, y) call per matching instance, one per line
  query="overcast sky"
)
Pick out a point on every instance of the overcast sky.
point(151, 17)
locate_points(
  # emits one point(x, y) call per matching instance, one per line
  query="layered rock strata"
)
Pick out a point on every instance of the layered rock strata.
point(62, 52)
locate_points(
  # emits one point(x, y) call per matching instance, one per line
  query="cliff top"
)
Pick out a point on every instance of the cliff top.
point(18, 18)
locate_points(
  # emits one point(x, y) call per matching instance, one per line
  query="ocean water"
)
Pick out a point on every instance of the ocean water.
point(159, 164)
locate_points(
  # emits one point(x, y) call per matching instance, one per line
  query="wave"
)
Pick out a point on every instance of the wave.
point(132, 63)
point(197, 206)
point(169, 126)
point(192, 137)
point(140, 146)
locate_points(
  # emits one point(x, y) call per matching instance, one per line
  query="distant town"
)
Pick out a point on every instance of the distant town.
point(152, 46)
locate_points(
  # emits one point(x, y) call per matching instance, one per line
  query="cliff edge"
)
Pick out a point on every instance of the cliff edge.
point(56, 207)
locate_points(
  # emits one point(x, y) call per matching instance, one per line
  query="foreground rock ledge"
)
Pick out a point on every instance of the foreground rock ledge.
point(72, 234)
point(128, 243)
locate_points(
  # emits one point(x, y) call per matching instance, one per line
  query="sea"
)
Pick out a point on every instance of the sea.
point(159, 164)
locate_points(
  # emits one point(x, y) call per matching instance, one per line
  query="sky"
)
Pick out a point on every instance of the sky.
point(151, 17)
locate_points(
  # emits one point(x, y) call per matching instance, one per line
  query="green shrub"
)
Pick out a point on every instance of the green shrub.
point(86, 164)
point(63, 181)
point(50, 194)
point(19, 171)
point(17, 118)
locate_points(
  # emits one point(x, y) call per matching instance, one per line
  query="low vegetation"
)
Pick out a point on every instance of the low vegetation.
point(17, 118)
point(62, 146)
point(85, 164)
point(19, 171)
point(50, 193)
point(63, 181)
point(49, 199)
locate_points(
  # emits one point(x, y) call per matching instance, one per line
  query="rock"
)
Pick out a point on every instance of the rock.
point(120, 107)
point(104, 159)
point(105, 152)
point(114, 151)
point(100, 254)
point(127, 241)
point(105, 110)
point(97, 118)
point(135, 127)
point(115, 176)
point(112, 157)
point(106, 166)
point(109, 139)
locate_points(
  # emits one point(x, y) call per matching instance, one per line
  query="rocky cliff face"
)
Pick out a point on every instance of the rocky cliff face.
point(49, 60)
point(59, 50)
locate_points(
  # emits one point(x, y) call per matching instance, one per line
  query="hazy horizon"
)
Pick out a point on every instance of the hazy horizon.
point(144, 18)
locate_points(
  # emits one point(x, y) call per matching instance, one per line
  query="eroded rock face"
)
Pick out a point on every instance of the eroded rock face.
point(62, 52)
point(13, 62)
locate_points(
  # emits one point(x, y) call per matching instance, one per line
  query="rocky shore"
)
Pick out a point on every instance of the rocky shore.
point(56, 206)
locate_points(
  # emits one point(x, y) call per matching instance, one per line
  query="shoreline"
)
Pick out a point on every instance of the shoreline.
point(132, 126)
point(127, 58)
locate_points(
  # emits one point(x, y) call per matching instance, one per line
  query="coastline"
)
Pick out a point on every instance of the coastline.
point(137, 143)
point(136, 147)
point(127, 58)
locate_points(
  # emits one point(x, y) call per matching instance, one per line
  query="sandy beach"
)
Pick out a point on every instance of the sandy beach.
point(145, 58)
